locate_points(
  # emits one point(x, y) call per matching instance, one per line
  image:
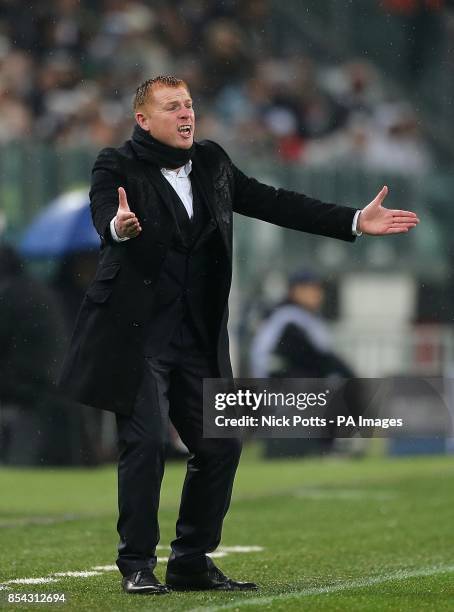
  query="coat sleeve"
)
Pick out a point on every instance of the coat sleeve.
point(105, 179)
point(288, 208)
point(291, 209)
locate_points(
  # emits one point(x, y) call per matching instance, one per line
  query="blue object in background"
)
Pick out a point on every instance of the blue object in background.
point(416, 446)
point(63, 227)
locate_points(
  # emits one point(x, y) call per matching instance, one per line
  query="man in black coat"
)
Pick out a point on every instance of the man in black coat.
point(153, 323)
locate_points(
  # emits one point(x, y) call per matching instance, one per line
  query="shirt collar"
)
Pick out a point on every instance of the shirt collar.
point(182, 172)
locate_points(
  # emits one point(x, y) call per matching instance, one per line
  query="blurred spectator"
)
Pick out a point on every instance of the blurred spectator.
point(33, 427)
point(356, 86)
point(294, 341)
point(397, 145)
point(225, 58)
point(15, 118)
point(390, 140)
point(259, 27)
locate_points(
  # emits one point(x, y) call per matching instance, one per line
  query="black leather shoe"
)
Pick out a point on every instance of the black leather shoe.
point(143, 582)
point(210, 580)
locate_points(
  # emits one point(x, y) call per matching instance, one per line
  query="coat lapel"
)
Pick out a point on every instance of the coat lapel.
point(157, 181)
point(205, 185)
point(206, 182)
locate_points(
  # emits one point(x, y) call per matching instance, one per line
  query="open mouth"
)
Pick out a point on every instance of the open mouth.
point(185, 130)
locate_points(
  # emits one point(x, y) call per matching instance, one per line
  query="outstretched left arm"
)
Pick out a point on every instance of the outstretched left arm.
point(300, 212)
point(290, 209)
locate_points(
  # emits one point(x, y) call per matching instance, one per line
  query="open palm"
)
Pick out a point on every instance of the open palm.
point(376, 220)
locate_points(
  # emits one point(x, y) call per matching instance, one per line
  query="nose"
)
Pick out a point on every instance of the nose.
point(185, 113)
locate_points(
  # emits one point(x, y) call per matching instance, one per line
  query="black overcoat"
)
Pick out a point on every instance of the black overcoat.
point(104, 363)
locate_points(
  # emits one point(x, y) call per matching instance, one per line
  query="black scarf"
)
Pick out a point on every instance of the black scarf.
point(151, 150)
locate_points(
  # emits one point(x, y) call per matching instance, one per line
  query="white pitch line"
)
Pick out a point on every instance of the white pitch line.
point(40, 520)
point(225, 549)
point(30, 580)
point(240, 549)
point(77, 574)
point(97, 570)
point(349, 495)
point(333, 588)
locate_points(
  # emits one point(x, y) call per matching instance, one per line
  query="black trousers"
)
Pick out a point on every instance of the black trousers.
point(172, 387)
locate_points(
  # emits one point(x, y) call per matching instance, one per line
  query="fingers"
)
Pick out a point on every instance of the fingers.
point(400, 228)
point(127, 227)
point(405, 219)
point(122, 200)
point(134, 234)
point(396, 230)
point(402, 220)
point(381, 195)
point(404, 213)
point(131, 224)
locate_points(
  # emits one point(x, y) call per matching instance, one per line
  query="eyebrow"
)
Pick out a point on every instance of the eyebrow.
point(176, 102)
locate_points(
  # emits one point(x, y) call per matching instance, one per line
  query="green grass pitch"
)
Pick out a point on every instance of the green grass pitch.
point(372, 534)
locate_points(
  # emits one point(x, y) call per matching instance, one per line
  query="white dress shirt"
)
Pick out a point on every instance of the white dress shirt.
point(180, 181)
point(355, 224)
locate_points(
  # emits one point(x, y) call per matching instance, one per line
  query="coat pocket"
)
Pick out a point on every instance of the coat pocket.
point(103, 283)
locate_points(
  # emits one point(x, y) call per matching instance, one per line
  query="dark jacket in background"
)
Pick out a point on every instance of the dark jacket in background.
point(295, 343)
point(32, 334)
point(35, 429)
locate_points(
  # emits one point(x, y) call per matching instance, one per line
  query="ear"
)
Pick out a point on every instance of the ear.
point(142, 121)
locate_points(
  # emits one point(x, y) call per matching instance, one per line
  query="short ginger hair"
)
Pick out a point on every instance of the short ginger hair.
point(144, 90)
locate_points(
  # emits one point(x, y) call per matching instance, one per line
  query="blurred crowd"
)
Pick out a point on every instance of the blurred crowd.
point(69, 70)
